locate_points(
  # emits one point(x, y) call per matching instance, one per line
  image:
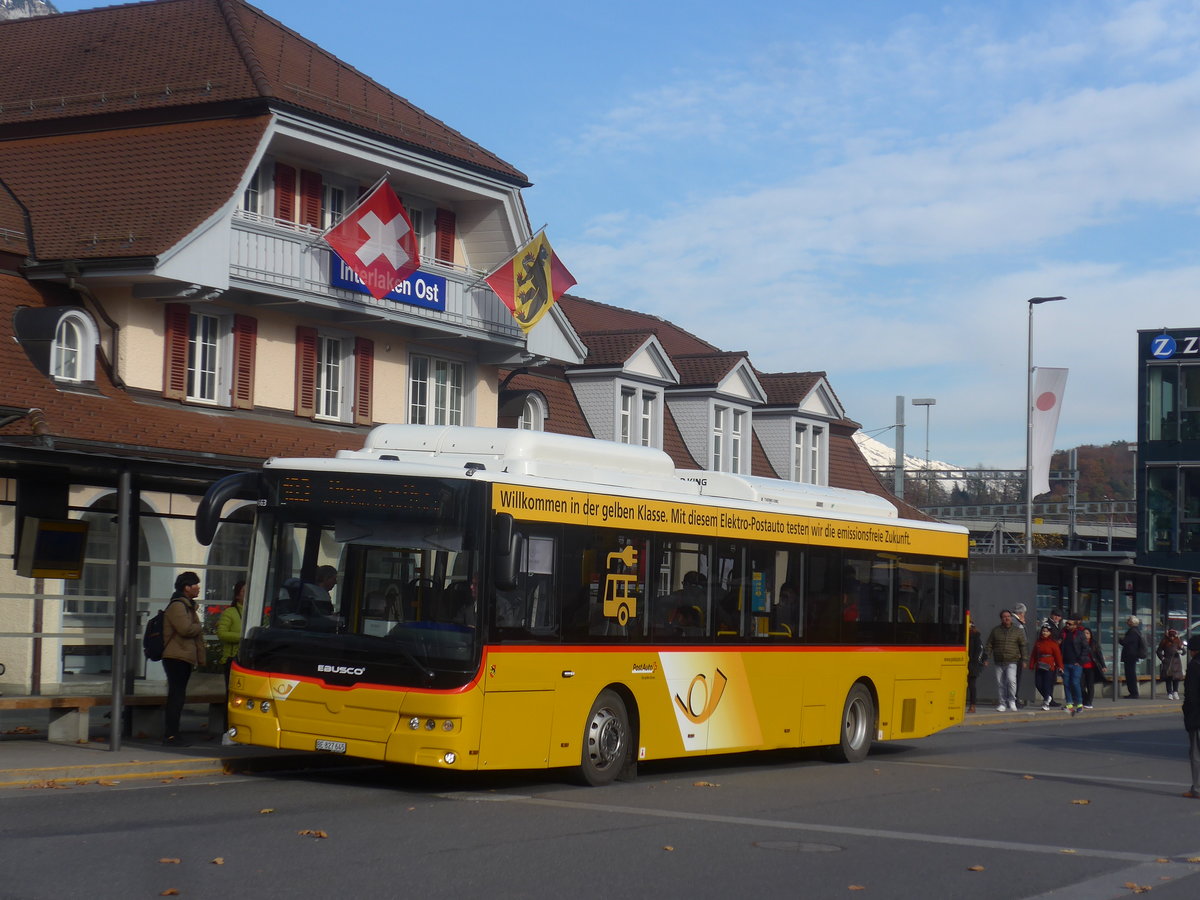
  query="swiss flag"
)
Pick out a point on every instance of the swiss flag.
point(376, 240)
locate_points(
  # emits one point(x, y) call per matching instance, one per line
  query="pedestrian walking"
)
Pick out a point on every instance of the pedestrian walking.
point(1170, 662)
point(1019, 622)
point(1074, 651)
point(183, 649)
point(1133, 651)
point(1191, 716)
point(1046, 662)
point(1006, 648)
point(1093, 667)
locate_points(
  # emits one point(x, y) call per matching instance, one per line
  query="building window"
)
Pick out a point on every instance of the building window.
point(334, 376)
point(808, 454)
point(329, 377)
point(533, 414)
point(649, 416)
point(204, 345)
point(73, 353)
point(1173, 398)
point(435, 391)
point(735, 441)
point(333, 206)
point(731, 429)
point(638, 415)
point(251, 196)
point(209, 356)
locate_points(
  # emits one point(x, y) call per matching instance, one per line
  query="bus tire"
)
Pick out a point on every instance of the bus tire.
point(607, 741)
point(858, 726)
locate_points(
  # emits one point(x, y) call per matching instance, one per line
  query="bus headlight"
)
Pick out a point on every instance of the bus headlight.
point(448, 725)
point(249, 703)
point(265, 706)
point(449, 757)
point(414, 723)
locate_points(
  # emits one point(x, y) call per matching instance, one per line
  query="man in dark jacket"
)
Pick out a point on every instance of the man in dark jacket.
point(1006, 649)
point(1075, 650)
point(1191, 715)
point(1132, 645)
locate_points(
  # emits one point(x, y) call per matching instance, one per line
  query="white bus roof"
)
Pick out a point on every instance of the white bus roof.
point(446, 451)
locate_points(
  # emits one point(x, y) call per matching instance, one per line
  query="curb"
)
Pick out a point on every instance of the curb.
point(167, 768)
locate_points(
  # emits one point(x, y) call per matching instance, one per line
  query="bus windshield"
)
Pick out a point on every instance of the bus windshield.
point(369, 580)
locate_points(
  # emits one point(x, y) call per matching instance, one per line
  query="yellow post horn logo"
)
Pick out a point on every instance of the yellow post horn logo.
point(711, 697)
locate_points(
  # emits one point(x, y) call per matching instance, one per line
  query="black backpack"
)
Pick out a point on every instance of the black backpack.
point(152, 640)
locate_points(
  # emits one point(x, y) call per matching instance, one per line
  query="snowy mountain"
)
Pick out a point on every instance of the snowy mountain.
point(880, 454)
point(25, 9)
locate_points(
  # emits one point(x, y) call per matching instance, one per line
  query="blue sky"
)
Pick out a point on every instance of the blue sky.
point(868, 189)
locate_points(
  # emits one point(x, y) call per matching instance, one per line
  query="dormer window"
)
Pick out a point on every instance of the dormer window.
point(729, 435)
point(533, 414)
point(808, 453)
point(73, 353)
point(639, 415)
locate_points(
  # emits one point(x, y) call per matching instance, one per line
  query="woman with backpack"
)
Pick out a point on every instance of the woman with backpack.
point(183, 649)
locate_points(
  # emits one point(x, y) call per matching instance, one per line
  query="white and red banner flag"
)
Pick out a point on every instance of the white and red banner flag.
point(1048, 387)
point(376, 240)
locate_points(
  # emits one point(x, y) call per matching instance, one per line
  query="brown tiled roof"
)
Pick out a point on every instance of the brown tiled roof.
point(706, 368)
point(787, 388)
point(146, 58)
point(612, 348)
point(128, 193)
point(589, 316)
point(113, 421)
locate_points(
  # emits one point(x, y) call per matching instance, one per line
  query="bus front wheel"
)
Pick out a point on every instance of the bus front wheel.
point(606, 740)
point(858, 726)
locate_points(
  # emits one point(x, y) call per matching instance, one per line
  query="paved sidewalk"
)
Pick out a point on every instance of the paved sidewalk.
point(30, 761)
point(987, 714)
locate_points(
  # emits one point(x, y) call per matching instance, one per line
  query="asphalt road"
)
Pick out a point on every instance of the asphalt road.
point(1069, 808)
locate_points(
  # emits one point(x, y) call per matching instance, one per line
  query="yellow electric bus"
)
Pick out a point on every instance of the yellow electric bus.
point(516, 600)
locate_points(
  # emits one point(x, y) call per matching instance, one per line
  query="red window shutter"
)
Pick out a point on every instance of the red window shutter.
point(306, 371)
point(245, 334)
point(285, 192)
point(310, 198)
point(444, 247)
point(175, 355)
point(364, 367)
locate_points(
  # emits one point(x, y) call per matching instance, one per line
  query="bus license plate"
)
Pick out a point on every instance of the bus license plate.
point(332, 746)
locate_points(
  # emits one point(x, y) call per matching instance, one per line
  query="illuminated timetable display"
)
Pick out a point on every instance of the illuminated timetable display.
point(422, 498)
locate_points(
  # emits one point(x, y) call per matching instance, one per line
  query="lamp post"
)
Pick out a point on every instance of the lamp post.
point(925, 402)
point(1032, 301)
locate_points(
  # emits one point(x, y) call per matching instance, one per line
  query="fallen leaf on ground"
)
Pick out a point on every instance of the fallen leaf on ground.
point(1066, 851)
point(668, 847)
point(1162, 859)
point(312, 832)
point(169, 892)
point(856, 887)
point(1027, 777)
point(1081, 802)
point(219, 861)
point(171, 860)
point(975, 869)
point(1193, 859)
point(704, 784)
point(266, 812)
point(107, 782)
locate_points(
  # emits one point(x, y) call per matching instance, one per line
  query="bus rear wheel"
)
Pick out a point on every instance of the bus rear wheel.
point(606, 740)
point(858, 726)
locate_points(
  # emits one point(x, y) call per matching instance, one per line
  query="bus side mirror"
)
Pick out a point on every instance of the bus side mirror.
point(208, 515)
point(508, 547)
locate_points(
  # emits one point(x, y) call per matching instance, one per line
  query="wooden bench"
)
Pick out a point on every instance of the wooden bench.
point(70, 719)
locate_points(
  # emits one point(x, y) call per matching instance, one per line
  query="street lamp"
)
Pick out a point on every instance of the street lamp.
point(1032, 301)
point(925, 402)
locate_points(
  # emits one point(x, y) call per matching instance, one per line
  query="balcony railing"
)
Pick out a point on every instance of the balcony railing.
point(273, 256)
